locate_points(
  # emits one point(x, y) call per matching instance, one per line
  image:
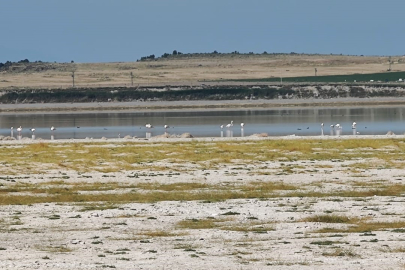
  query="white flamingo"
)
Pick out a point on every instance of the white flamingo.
point(19, 130)
point(242, 125)
point(354, 125)
point(166, 126)
point(221, 126)
point(148, 126)
point(32, 130)
point(53, 129)
point(230, 125)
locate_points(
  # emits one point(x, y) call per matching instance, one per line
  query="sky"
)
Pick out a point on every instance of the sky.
point(125, 30)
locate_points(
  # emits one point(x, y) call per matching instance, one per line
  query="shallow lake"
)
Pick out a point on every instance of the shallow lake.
point(376, 120)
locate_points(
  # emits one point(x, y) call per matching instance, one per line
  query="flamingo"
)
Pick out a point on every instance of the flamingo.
point(166, 126)
point(32, 130)
point(19, 130)
point(242, 125)
point(221, 126)
point(52, 130)
point(354, 125)
point(148, 126)
point(230, 125)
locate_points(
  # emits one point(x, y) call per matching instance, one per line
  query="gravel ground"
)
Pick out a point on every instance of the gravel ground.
point(251, 233)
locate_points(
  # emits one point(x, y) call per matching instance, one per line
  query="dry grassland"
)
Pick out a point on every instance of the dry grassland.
point(195, 70)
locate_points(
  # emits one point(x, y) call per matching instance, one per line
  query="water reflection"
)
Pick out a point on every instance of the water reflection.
point(276, 122)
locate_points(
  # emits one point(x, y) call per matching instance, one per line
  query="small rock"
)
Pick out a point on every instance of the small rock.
point(260, 135)
point(186, 135)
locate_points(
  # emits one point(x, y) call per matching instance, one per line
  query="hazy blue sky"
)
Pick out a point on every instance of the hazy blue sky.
point(125, 30)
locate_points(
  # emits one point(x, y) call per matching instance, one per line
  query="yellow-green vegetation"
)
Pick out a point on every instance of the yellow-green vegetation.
point(173, 158)
point(198, 224)
point(81, 157)
point(55, 249)
point(329, 219)
point(151, 192)
point(340, 252)
point(355, 225)
point(161, 233)
point(142, 192)
point(361, 226)
point(225, 224)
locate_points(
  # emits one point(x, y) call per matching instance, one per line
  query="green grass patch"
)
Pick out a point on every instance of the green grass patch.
point(383, 76)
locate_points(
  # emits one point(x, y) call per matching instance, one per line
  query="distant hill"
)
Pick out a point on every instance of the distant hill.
point(197, 69)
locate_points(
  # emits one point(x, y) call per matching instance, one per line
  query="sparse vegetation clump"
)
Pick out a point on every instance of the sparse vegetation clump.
point(329, 219)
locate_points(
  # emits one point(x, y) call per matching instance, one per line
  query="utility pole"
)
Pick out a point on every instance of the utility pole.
point(73, 78)
point(132, 79)
point(389, 61)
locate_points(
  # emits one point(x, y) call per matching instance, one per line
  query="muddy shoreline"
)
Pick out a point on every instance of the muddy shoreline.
point(199, 105)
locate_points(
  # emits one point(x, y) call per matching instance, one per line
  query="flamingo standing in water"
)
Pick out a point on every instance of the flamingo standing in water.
point(354, 125)
point(230, 125)
point(242, 125)
point(148, 126)
point(52, 130)
point(166, 126)
point(33, 133)
point(19, 130)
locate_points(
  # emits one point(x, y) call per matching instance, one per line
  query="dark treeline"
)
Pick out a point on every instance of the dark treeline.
point(122, 94)
point(9, 63)
point(176, 53)
point(132, 94)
